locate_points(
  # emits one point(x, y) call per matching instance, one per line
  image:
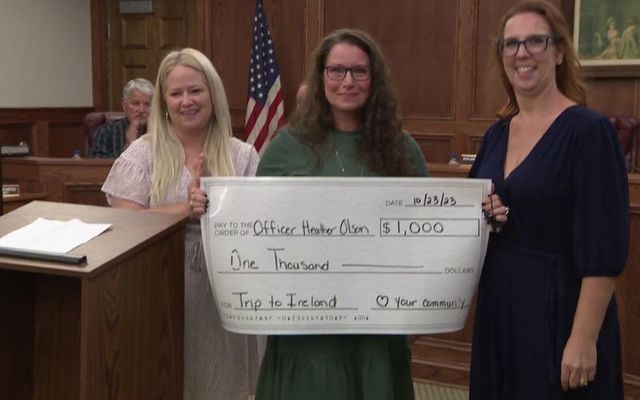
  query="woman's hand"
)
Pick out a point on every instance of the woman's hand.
point(580, 355)
point(579, 360)
point(494, 210)
point(198, 200)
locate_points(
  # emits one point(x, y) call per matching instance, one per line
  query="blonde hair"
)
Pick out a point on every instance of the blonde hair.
point(167, 151)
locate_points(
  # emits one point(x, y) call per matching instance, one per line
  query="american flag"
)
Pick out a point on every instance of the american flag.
point(265, 110)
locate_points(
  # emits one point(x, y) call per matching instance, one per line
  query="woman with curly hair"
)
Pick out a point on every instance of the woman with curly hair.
point(346, 125)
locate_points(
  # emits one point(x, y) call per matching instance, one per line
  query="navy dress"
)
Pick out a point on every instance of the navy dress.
point(568, 219)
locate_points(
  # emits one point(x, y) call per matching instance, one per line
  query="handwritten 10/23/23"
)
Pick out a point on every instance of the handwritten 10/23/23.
point(388, 226)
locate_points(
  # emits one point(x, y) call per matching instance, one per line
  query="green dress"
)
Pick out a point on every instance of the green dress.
point(332, 367)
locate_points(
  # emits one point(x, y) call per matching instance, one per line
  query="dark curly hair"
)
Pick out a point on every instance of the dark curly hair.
point(382, 147)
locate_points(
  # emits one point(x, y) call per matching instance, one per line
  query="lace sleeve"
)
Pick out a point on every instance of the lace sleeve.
point(245, 158)
point(130, 175)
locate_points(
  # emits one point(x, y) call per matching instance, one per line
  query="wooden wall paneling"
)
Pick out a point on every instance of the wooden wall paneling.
point(57, 338)
point(143, 342)
point(628, 296)
point(13, 134)
point(467, 21)
point(172, 24)
point(636, 100)
point(85, 193)
point(49, 132)
point(63, 139)
point(136, 37)
point(474, 141)
point(17, 304)
point(232, 31)
point(40, 319)
point(24, 175)
point(437, 147)
point(62, 180)
point(99, 54)
point(12, 203)
point(115, 56)
point(314, 27)
point(489, 94)
point(287, 21)
point(612, 97)
point(139, 42)
point(232, 27)
point(191, 30)
point(39, 144)
point(204, 27)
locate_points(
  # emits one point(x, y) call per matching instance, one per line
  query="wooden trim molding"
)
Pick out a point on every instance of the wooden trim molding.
point(99, 54)
point(314, 22)
point(49, 132)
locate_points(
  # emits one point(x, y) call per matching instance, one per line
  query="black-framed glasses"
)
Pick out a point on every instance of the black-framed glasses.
point(534, 44)
point(338, 72)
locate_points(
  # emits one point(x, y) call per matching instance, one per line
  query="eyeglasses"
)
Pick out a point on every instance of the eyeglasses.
point(338, 72)
point(534, 44)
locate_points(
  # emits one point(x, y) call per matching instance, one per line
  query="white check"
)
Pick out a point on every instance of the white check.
point(344, 255)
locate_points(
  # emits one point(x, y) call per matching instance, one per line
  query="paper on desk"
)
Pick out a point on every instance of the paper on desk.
point(52, 236)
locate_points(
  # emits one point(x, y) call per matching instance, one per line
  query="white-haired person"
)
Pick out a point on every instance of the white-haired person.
point(111, 139)
point(190, 132)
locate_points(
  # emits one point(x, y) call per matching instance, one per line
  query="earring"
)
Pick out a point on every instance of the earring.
point(166, 116)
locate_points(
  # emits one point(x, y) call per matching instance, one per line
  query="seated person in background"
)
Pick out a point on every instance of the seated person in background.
point(111, 139)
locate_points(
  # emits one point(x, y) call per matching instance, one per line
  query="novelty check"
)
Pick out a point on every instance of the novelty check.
point(344, 255)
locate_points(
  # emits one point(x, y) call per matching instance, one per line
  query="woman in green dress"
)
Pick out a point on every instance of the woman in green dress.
point(346, 125)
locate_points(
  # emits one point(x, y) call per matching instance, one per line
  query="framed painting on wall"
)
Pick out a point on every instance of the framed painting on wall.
point(606, 35)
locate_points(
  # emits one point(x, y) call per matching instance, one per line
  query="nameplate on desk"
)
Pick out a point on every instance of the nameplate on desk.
point(10, 190)
point(344, 255)
point(467, 158)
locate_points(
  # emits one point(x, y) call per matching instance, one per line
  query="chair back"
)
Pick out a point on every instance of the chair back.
point(93, 120)
point(627, 128)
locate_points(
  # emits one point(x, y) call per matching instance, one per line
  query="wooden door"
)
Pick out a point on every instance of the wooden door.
point(138, 42)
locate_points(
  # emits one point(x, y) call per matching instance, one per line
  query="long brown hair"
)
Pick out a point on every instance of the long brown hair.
point(382, 146)
point(568, 76)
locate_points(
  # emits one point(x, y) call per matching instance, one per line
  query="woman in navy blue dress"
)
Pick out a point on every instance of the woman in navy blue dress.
point(546, 322)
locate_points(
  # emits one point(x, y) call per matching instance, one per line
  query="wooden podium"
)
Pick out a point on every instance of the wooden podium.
point(109, 329)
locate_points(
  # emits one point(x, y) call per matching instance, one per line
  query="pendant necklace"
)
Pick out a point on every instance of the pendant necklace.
point(335, 149)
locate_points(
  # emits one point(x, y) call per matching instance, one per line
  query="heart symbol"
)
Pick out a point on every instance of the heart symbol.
point(382, 300)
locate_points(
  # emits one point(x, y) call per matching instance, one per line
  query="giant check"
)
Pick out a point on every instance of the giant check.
point(344, 255)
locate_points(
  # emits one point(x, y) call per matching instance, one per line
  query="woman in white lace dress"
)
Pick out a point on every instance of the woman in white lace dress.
point(190, 132)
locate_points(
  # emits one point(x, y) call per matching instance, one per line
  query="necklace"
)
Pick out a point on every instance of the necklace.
point(335, 149)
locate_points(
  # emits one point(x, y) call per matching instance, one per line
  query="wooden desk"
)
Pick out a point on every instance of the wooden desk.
point(445, 170)
point(13, 202)
point(110, 329)
point(62, 179)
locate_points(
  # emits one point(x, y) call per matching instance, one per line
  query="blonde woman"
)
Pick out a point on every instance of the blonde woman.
point(190, 132)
